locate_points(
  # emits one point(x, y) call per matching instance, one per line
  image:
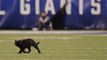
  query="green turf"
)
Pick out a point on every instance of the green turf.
point(56, 47)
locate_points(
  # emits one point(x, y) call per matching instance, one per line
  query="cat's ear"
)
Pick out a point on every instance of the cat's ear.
point(15, 40)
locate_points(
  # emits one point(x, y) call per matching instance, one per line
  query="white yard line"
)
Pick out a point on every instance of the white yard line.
point(6, 40)
point(51, 38)
point(53, 32)
point(54, 37)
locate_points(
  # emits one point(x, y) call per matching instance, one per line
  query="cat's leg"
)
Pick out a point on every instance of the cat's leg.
point(29, 48)
point(21, 50)
point(24, 51)
point(36, 47)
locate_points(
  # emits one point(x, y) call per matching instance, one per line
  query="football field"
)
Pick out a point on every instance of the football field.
point(56, 46)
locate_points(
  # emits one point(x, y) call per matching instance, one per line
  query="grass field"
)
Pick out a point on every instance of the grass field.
point(56, 47)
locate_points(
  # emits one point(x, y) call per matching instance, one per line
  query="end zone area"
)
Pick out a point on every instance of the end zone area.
point(56, 45)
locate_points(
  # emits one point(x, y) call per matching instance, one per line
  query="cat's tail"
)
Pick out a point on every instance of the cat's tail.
point(37, 47)
point(37, 43)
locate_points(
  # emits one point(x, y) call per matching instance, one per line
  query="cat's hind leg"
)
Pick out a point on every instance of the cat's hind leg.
point(29, 48)
point(36, 47)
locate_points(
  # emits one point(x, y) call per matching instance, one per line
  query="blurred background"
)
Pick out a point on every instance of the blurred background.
point(13, 19)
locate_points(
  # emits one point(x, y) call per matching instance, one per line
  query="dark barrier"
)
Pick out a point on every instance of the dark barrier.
point(79, 14)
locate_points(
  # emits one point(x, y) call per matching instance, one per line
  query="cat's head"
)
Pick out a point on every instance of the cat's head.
point(17, 42)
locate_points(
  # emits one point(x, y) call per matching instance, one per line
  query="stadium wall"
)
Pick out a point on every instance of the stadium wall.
point(80, 14)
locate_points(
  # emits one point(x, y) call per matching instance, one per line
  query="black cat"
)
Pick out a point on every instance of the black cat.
point(26, 43)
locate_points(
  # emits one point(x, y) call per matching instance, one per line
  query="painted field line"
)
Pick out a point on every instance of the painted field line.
point(54, 37)
point(6, 40)
point(52, 32)
point(48, 37)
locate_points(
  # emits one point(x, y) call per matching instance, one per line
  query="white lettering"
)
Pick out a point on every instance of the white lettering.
point(81, 7)
point(2, 12)
point(96, 10)
point(24, 8)
point(50, 6)
point(68, 7)
point(37, 7)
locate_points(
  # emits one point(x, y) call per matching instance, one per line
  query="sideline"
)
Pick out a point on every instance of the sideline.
point(51, 32)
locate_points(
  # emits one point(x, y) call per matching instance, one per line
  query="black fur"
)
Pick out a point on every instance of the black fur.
point(26, 43)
